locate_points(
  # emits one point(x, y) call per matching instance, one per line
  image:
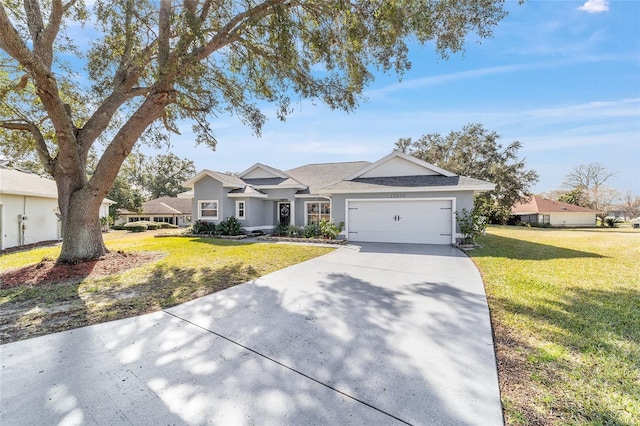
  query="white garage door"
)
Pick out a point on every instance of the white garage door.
point(400, 221)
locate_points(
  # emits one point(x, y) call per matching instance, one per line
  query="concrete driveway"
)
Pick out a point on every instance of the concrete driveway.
point(371, 334)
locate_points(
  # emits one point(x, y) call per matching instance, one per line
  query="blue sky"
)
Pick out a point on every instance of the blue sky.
point(562, 77)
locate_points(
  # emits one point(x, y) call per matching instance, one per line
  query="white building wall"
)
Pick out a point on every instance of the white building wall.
point(572, 219)
point(41, 224)
point(104, 210)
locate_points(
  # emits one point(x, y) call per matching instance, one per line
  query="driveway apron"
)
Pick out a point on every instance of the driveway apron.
point(368, 334)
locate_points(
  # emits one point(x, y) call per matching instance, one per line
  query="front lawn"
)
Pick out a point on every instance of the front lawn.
point(565, 308)
point(184, 269)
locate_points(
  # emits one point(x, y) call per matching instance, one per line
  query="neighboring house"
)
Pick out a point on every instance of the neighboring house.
point(176, 211)
point(619, 211)
point(540, 211)
point(396, 199)
point(29, 209)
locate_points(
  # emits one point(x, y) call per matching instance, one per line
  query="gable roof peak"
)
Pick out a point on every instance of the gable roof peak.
point(390, 164)
point(259, 170)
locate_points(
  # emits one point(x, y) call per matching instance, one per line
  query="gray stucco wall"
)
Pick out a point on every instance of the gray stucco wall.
point(464, 199)
point(254, 211)
point(210, 189)
point(259, 212)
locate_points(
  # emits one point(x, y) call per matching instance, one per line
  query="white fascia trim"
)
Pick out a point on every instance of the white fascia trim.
point(312, 196)
point(28, 194)
point(234, 195)
point(413, 189)
point(404, 156)
point(279, 186)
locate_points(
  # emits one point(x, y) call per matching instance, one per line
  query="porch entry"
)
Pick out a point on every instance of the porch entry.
point(284, 213)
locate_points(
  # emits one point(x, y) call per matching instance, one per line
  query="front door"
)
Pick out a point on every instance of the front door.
point(284, 213)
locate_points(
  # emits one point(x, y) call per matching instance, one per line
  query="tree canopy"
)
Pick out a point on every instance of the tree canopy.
point(150, 65)
point(475, 152)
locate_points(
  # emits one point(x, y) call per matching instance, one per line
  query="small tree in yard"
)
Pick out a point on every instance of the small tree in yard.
point(152, 64)
point(472, 225)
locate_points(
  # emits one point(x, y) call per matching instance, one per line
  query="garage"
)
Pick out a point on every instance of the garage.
point(419, 221)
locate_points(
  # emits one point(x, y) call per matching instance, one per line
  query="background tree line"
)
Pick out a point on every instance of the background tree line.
point(142, 178)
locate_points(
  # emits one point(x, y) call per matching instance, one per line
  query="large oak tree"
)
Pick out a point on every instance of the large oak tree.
point(156, 63)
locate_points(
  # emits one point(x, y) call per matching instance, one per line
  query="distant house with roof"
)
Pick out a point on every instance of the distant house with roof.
point(29, 209)
point(173, 210)
point(398, 199)
point(541, 211)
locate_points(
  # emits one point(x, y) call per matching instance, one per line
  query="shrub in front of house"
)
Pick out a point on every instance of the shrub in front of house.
point(280, 229)
point(203, 227)
point(167, 225)
point(330, 230)
point(136, 226)
point(472, 225)
point(152, 226)
point(229, 226)
point(312, 230)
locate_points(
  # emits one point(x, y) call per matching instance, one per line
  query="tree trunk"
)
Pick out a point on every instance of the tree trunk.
point(81, 231)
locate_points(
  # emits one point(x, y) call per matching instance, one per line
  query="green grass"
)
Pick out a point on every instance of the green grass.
point(565, 307)
point(188, 268)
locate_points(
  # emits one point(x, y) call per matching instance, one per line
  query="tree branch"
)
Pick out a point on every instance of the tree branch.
point(69, 5)
point(40, 144)
point(45, 45)
point(43, 79)
point(11, 42)
point(229, 33)
point(34, 19)
point(164, 40)
point(121, 145)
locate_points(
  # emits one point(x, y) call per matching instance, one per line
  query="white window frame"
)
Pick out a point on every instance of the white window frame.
point(306, 210)
point(201, 202)
point(244, 210)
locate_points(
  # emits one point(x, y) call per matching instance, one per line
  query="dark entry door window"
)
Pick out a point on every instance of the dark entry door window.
point(284, 213)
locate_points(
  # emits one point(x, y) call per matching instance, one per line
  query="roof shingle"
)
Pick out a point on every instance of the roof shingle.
point(542, 205)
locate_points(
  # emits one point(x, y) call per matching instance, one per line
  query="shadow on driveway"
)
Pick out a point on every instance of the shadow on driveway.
point(345, 338)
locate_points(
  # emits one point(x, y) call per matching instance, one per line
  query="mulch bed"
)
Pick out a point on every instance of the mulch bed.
point(48, 271)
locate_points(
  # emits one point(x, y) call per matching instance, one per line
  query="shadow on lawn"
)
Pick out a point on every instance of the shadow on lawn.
point(29, 312)
point(603, 327)
point(511, 248)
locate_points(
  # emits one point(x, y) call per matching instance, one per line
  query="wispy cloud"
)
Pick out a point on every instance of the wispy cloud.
point(435, 80)
point(595, 6)
point(447, 78)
